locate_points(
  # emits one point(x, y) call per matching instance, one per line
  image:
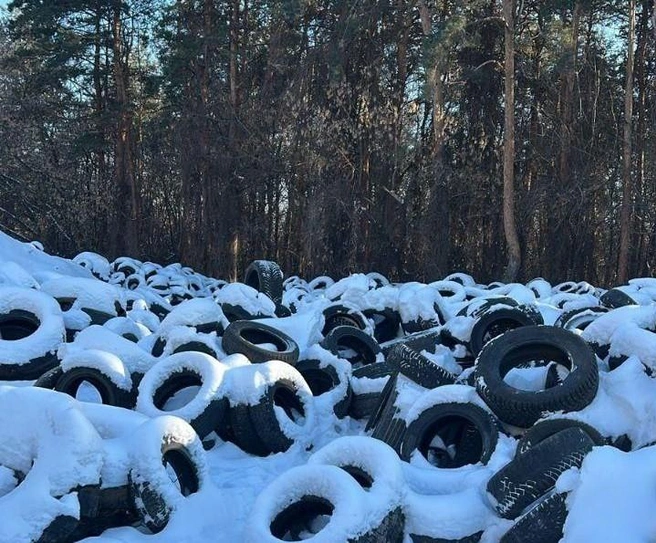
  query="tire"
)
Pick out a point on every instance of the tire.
point(363, 405)
point(516, 347)
point(161, 441)
point(339, 315)
point(470, 429)
point(546, 428)
point(110, 394)
point(374, 465)
point(425, 340)
point(348, 337)
point(541, 524)
point(479, 306)
point(374, 371)
point(295, 399)
point(386, 424)
point(615, 298)
point(338, 498)
point(418, 368)
point(327, 378)
point(49, 379)
point(245, 336)
point(30, 338)
point(533, 474)
point(497, 322)
point(265, 276)
point(111, 509)
point(241, 431)
point(206, 410)
point(60, 530)
point(579, 319)
point(387, 323)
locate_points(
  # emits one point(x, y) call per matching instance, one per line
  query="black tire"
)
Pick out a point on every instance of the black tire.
point(322, 379)
point(473, 538)
point(541, 524)
point(386, 423)
point(374, 371)
point(245, 336)
point(21, 325)
point(363, 405)
point(241, 431)
point(387, 323)
point(497, 322)
point(615, 298)
point(49, 379)
point(60, 530)
point(197, 347)
point(339, 500)
point(283, 393)
point(153, 494)
point(70, 380)
point(339, 315)
point(348, 337)
point(579, 319)
point(546, 428)
point(211, 417)
point(529, 343)
point(533, 474)
point(265, 276)
point(425, 340)
point(468, 428)
point(418, 368)
point(112, 508)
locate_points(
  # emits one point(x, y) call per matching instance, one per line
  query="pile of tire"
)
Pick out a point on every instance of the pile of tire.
point(450, 376)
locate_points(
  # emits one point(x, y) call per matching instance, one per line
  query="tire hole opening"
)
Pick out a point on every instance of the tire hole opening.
point(17, 325)
point(290, 403)
point(302, 519)
point(451, 442)
point(181, 470)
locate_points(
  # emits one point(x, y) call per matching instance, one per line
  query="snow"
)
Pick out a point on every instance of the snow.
point(58, 443)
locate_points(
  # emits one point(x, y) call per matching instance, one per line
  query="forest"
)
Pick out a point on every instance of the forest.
point(502, 138)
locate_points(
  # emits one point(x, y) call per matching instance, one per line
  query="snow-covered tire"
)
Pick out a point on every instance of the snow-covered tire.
point(60, 530)
point(615, 298)
point(206, 410)
point(342, 338)
point(425, 340)
point(110, 394)
point(279, 430)
point(418, 368)
point(156, 443)
point(266, 277)
point(499, 321)
point(245, 337)
point(328, 378)
point(466, 427)
point(298, 499)
point(546, 428)
point(373, 464)
point(340, 315)
point(579, 319)
point(531, 475)
point(31, 331)
point(541, 524)
point(526, 344)
point(386, 321)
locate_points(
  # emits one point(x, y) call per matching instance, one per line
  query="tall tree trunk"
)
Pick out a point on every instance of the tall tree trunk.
point(126, 232)
point(627, 188)
point(438, 212)
point(509, 226)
